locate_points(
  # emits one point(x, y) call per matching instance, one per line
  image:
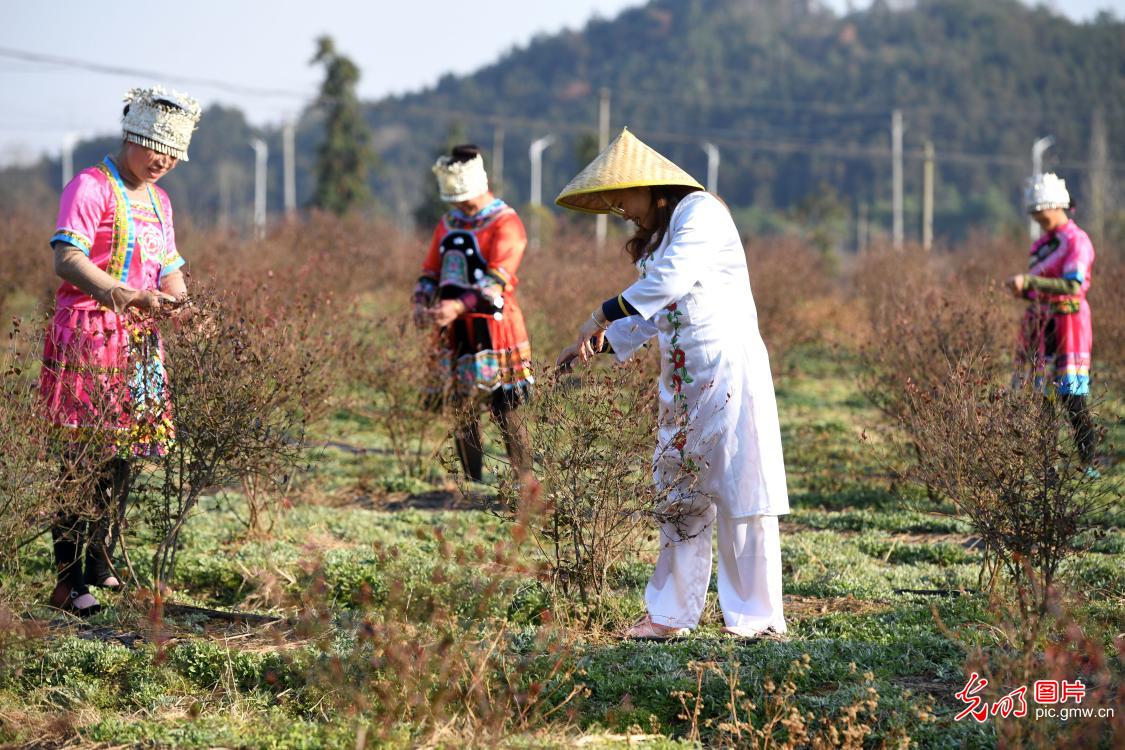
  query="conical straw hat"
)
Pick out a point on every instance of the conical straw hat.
point(625, 163)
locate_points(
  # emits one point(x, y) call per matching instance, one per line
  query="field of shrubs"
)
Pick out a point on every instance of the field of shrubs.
point(308, 568)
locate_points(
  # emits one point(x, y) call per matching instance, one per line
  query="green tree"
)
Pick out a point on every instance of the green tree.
point(824, 218)
point(816, 108)
point(345, 156)
point(586, 147)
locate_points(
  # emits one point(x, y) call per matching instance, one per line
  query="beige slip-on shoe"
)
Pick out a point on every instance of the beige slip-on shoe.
point(748, 634)
point(645, 629)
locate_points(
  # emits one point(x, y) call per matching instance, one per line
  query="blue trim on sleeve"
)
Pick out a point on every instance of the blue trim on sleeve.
point(71, 238)
point(1075, 276)
point(173, 266)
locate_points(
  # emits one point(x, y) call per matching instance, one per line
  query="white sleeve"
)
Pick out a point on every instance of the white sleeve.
point(694, 240)
point(627, 335)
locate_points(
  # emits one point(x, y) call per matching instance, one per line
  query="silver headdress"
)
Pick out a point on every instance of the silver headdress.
point(160, 120)
point(462, 180)
point(1046, 190)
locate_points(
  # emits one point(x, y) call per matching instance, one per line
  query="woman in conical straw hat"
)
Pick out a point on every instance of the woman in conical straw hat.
point(115, 252)
point(718, 461)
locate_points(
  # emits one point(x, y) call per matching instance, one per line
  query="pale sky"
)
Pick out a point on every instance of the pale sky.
point(400, 46)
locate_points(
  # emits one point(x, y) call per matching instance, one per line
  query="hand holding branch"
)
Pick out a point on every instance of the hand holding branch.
point(150, 302)
point(591, 340)
point(1017, 284)
point(447, 311)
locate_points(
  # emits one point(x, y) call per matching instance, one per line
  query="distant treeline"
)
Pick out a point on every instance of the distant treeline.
point(797, 99)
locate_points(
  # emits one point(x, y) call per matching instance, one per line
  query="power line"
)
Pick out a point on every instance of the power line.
point(719, 137)
point(662, 96)
point(780, 146)
point(95, 67)
point(633, 93)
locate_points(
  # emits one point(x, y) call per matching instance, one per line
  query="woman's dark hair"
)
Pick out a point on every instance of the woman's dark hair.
point(463, 152)
point(665, 198)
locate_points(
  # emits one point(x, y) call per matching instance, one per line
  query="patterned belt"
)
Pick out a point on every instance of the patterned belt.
point(1066, 306)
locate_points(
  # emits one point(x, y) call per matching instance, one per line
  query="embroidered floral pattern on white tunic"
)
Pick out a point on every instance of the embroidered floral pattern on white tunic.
point(719, 431)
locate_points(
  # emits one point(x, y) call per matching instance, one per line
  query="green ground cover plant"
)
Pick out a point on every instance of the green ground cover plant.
point(380, 601)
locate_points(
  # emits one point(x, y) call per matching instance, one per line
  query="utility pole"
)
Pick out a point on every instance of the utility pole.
point(1099, 175)
point(535, 152)
point(289, 166)
point(896, 176)
point(225, 179)
point(603, 141)
point(928, 197)
point(712, 166)
point(498, 160)
point(861, 229)
point(1037, 150)
point(261, 153)
point(68, 142)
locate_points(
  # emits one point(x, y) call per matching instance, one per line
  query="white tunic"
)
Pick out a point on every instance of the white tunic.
point(718, 414)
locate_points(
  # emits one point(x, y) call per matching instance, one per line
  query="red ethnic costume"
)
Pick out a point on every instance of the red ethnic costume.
point(486, 349)
point(483, 353)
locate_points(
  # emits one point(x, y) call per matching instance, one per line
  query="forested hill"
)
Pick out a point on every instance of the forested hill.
point(798, 100)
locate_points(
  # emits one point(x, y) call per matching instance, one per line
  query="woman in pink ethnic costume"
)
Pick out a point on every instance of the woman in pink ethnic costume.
point(1057, 335)
point(103, 381)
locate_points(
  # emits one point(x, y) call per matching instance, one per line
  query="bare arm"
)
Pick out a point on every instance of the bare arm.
point(174, 284)
point(72, 265)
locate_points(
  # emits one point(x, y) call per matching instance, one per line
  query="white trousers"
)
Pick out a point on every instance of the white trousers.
point(749, 572)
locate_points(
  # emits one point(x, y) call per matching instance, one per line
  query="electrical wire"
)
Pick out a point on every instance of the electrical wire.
point(94, 67)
